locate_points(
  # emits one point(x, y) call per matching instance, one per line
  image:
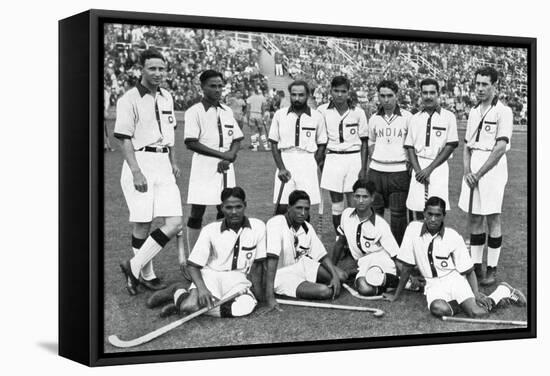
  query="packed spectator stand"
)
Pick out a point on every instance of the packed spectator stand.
point(315, 59)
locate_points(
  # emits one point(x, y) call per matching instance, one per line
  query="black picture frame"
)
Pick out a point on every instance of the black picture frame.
point(81, 181)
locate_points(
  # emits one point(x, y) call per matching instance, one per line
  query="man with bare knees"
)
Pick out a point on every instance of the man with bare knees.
point(297, 262)
point(443, 259)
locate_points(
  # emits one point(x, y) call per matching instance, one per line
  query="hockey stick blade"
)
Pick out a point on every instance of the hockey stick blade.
point(355, 294)
point(117, 342)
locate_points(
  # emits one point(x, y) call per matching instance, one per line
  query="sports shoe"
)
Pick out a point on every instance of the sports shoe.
point(516, 297)
point(163, 296)
point(168, 310)
point(154, 284)
point(132, 282)
point(490, 276)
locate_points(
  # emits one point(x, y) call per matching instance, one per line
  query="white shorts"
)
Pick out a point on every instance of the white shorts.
point(453, 286)
point(205, 182)
point(224, 283)
point(303, 168)
point(489, 192)
point(439, 186)
point(162, 198)
point(340, 172)
point(379, 259)
point(288, 278)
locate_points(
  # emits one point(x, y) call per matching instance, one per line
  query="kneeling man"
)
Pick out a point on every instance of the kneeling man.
point(297, 262)
point(370, 241)
point(223, 256)
point(443, 259)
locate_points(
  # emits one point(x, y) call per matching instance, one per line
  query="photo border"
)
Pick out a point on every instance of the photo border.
point(80, 94)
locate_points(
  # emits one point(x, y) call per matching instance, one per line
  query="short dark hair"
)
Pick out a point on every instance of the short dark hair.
point(297, 195)
point(429, 81)
point(339, 81)
point(299, 83)
point(236, 192)
point(150, 53)
point(366, 184)
point(207, 74)
point(435, 201)
point(388, 84)
point(487, 71)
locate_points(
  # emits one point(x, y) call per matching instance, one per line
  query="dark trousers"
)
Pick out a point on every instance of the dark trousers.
point(392, 189)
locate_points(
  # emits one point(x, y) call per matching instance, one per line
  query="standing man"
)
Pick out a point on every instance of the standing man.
point(443, 259)
point(370, 241)
point(298, 139)
point(347, 149)
point(488, 135)
point(145, 123)
point(213, 134)
point(227, 258)
point(430, 141)
point(256, 106)
point(297, 262)
point(388, 158)
point(237, 104)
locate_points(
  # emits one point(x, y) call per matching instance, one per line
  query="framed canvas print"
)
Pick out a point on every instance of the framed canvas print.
point(259, 187)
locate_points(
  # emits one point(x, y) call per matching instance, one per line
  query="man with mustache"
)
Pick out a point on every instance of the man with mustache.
point(145, 123)
point(297, 262)
point(430, 141)
point(488, 135)
point(298, 140)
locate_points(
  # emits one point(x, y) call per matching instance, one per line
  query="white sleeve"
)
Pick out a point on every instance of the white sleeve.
point(461, 256)
point(406, 251)
point(363, 124)
point(201, 251)
point(125, 124)
point(318, 250)
point(192, 129)
point(388, 241)
point(274, 238)
point(274, 129)
point(261, 246)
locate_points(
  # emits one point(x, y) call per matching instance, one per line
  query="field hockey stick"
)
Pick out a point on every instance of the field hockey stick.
point(224, 179)
point(117, 342)
point(484, 321)
point(375, 311)
point(278, 202)
point(355, 294)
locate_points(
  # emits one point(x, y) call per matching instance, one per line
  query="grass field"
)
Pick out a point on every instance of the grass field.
point(129, 318)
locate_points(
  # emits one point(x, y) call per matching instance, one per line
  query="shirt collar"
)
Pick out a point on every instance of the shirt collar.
point(207, 104)
point(143, 90)
point(441, 231)
point(306, 111)
point(372, 217)
point(493, 102)
point(289, 223)
point(437, 109)
point(396, 110)
point(332, 105)
point(224, 226)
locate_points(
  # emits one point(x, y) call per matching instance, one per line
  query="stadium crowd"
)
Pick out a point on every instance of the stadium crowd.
point(191, 51)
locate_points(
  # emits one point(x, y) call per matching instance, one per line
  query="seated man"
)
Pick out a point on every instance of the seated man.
point(224, 254)
point(297, 262)
point(370, 241)
point(443, 259)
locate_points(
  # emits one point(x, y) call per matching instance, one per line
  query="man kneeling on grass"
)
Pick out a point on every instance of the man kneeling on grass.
point(222, 258)
point(443, 259)
point(297, 262)
point(370, 242)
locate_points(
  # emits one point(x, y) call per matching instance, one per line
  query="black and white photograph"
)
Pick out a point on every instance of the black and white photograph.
point(292, 187)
